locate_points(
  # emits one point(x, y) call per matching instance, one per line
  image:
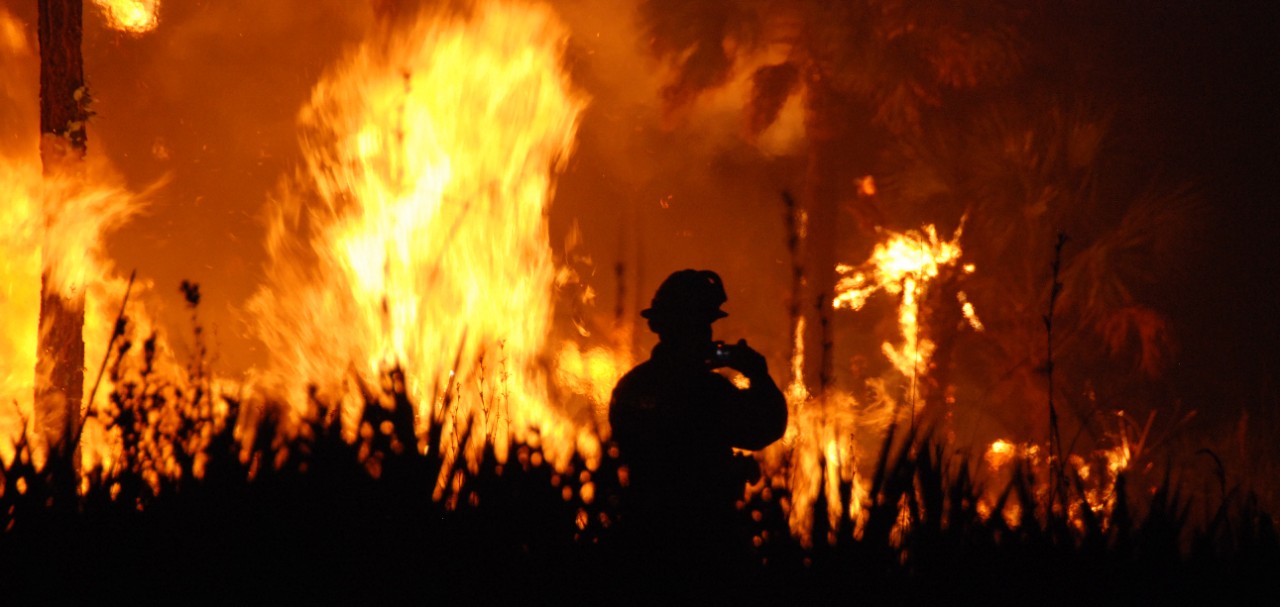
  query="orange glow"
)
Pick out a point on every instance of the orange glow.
point(797, 392)
point(867, 186)
point(133, 16)
point(417, 234)
point(414, 236)
point(999, 454)
point(591, 373)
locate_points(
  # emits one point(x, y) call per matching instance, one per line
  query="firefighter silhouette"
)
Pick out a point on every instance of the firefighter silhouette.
point(676, 421)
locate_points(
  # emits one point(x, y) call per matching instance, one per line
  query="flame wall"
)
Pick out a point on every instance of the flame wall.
point(417, 233)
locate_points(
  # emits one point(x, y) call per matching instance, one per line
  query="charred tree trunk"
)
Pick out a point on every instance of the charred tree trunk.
point(60, 360)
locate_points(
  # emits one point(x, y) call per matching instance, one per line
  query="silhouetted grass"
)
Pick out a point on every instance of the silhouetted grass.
point(310, 520)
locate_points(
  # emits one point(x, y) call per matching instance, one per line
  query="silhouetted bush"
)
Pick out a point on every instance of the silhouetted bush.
point(318, 518)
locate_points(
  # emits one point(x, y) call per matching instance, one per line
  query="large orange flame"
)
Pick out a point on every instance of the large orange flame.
point(418, 236)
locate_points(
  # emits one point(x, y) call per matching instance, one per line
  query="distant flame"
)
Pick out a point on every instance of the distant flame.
point(821, 453)
point(133, 16)
point(903, 264)
point(1097, 472)
point(966, 308)
point(1002, 452)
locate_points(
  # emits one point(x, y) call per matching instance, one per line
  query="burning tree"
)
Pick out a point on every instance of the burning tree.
point(63, 116)
point(862, 75)
point(864, 72)
point(61, 298)
point(1039, 158)
point(920, 114)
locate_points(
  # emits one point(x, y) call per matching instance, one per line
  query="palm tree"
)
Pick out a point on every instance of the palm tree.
point(957, 113)
point(1022, 168)
point(865, 70)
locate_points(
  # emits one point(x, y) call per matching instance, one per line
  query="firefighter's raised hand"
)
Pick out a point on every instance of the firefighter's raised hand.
point(747, 361)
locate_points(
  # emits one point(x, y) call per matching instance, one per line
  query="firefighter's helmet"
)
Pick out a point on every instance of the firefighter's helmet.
point(688, 295)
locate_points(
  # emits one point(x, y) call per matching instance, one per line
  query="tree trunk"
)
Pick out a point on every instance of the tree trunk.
point(839, 153)
point(60, 360)
point(821, 203)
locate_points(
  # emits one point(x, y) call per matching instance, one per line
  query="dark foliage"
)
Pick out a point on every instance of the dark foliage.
point(321, 519)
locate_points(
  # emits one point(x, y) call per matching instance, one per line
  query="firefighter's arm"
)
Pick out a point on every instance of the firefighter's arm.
point(758, 414)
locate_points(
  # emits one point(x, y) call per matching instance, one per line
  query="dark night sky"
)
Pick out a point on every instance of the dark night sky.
point(1209, 69)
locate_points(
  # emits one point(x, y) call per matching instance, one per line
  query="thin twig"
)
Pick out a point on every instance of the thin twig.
point(1057, 477)
point(106, 356)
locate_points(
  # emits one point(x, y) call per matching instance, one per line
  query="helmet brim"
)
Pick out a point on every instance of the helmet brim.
point(661, 314)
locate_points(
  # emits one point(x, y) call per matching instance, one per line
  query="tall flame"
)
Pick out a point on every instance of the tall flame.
point(419, 236)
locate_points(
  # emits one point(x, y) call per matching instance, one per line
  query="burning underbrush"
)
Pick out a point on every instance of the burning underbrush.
point(212, 491)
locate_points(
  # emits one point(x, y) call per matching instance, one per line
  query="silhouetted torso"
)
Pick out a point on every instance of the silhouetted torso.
point(676, 423)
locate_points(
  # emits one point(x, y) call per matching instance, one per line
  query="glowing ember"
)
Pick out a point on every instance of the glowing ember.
point(133, 16)
point(419, 236)
point(966, 307)
point(1001, 453)
point(867, 186)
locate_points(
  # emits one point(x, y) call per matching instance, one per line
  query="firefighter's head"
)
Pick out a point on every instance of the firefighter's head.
point(686, 304)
